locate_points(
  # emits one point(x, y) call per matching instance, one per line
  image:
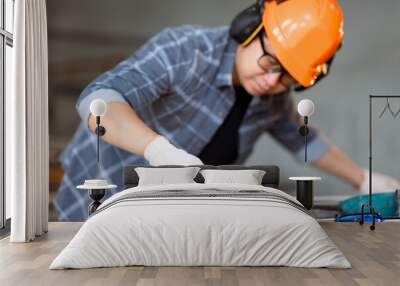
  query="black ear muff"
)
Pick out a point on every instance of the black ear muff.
point(245, 23)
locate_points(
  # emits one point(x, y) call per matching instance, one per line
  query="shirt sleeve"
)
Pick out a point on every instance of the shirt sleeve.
point(285, 131)
point(140, 79)
point(108, 95)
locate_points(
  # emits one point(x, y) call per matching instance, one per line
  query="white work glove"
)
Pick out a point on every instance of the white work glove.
point(380, 183)
point(161, 152)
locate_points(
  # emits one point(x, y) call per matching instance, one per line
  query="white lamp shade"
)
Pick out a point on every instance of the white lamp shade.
point(98, 107)
point(305, 107)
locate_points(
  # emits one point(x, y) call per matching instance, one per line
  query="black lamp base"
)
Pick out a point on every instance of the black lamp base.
point(96, 195)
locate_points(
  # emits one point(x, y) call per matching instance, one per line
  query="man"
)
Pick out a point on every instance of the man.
point(193, 95)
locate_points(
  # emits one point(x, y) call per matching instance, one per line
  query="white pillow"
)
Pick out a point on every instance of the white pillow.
point(163, 176)
point(248, 177)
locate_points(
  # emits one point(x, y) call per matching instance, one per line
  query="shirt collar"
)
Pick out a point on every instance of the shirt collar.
point(224, 76)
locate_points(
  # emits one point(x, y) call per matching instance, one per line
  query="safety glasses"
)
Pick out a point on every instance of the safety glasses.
point(270, 64)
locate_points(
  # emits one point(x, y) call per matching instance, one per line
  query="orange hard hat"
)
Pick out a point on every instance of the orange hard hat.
point(304, 35)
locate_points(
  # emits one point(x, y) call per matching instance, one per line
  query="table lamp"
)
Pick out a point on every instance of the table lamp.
point(305, 108)
point(98, 108)
point(97, 187)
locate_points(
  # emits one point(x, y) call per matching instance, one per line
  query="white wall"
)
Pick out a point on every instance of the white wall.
point(368, 63)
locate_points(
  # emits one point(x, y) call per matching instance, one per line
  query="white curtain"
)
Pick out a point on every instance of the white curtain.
point(27, 139)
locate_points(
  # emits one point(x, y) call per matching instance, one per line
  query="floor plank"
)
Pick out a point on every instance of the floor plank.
point(374, 255)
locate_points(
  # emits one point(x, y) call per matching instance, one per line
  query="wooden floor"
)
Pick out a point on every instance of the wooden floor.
point(375, 257)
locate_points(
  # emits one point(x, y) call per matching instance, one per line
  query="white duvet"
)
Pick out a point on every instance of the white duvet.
point(182, 231)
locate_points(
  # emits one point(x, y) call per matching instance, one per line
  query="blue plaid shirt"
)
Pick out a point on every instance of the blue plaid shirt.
point(180, 84)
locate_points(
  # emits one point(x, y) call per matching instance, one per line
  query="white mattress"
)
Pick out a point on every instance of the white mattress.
point(183, 231)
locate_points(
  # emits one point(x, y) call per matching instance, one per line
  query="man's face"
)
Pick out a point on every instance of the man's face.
point(251, 76)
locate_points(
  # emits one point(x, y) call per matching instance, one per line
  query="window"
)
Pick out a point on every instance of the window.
point(6, 61)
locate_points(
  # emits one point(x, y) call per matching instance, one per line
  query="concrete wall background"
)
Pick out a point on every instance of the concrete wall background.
point(368, 63)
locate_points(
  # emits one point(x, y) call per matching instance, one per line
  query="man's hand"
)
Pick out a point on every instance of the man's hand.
point(161, 152)
point(380, 184)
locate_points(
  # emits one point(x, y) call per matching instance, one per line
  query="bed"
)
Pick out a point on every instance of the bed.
point(201, 224)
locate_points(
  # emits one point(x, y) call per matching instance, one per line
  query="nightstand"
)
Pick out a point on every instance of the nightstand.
point(96, 189)
point(305, 190)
